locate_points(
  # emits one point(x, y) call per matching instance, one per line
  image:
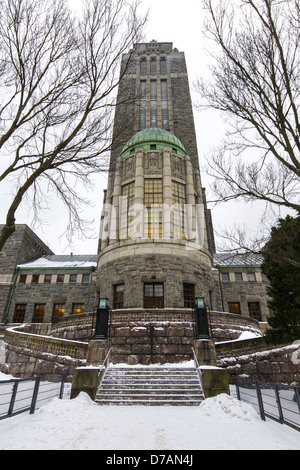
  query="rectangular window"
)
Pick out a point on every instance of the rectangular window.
point(142, 123)
point(153, 295)
point(143, 66)
point(47, 278)
point(19, 313)
point(127, 201)
point(58, 311)
point(153, 103)
point(73, 278)
point(234, 307)
point(178, 191)
point(118, 296)
point(254, 310)
point(153, 224)
point(60, 278)
point(251, 277)
point(238, 277)
point(77, 308)
point(35, 279)
point(225, 277)
point(153, 90)
point(164, 104)
point(22, 279)
point(153, 66)
point(189, 295)
point(163, 66)
point(38, 313)
point(85, 278)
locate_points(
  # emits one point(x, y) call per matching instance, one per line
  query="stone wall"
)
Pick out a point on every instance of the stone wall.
point(229, 326)
point(241, 292)
point(267, 365)
point(169, 264)
point(151, 342)
point(23, 245)
point(29, 355)
point(65, 293)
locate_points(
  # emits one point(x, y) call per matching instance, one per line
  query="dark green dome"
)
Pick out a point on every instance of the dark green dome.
point(153, 138)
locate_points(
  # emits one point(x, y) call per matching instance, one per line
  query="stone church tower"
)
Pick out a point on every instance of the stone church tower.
point(156, 240)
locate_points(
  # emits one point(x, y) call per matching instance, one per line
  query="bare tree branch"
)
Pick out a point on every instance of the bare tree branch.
point(60, 73)
point(255, 84)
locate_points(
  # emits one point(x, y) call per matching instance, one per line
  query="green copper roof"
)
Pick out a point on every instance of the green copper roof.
point(153, 136)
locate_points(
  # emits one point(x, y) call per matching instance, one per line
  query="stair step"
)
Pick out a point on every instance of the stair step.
point(150, 386)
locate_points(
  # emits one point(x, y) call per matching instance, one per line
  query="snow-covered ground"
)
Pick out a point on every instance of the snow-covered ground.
point(220, 423)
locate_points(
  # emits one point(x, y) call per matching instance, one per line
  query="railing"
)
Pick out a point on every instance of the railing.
point(276, 401)
point(198, 369)
point(22, 395)
point(105, 364)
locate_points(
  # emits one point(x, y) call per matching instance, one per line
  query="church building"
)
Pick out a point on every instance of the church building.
point(156, 252)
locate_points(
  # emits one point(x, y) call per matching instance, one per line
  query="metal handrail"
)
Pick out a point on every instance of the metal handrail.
point(106, 358)
point(198, 370)
point(103, 366)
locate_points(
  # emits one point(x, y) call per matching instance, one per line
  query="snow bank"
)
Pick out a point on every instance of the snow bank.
point(79, 424)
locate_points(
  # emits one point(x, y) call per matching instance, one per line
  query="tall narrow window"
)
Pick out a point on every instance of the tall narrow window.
point(19, 313)
point(58, 311)
point(164, 104)
point(254, 310)
point(38, 313)
point(143, 65)
point(153, 103)
point(153, 226)
point(163, 66)
point(153, 295)
point(126, 219)
point(153, 66)
point(188, 295)
point(178, 190)
point(118, 296)
point(142, 123)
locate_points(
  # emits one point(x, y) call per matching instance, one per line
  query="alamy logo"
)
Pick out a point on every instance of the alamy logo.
point(158, 221)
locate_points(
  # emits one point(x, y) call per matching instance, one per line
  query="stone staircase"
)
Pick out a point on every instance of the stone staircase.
point(150, 386)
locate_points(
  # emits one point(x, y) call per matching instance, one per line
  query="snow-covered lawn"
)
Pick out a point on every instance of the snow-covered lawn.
point(218, 423)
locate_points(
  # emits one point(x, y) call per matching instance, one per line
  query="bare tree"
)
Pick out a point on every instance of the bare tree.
point(255, 84)
point(59, 74)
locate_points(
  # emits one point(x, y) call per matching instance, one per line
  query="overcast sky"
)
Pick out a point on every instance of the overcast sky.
point(170, 21)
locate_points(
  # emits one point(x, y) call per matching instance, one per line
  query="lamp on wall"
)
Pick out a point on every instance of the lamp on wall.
point(103, 302)
point(201, 318)
point(101, 327)
point(200, 302)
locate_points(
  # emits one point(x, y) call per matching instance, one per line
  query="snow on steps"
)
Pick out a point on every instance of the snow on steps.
point(150, 386)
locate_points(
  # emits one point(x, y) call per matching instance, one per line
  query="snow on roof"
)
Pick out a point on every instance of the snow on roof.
point(237, 259)
point(61, 261)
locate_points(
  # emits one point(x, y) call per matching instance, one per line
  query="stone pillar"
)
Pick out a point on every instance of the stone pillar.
point(117, 192)
point(87, 379)
point(214, 381)
point(139, 195)
point(97, 351)
point(168, 228)
point(190, 213)
point(107, 214)
point(205, 352)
